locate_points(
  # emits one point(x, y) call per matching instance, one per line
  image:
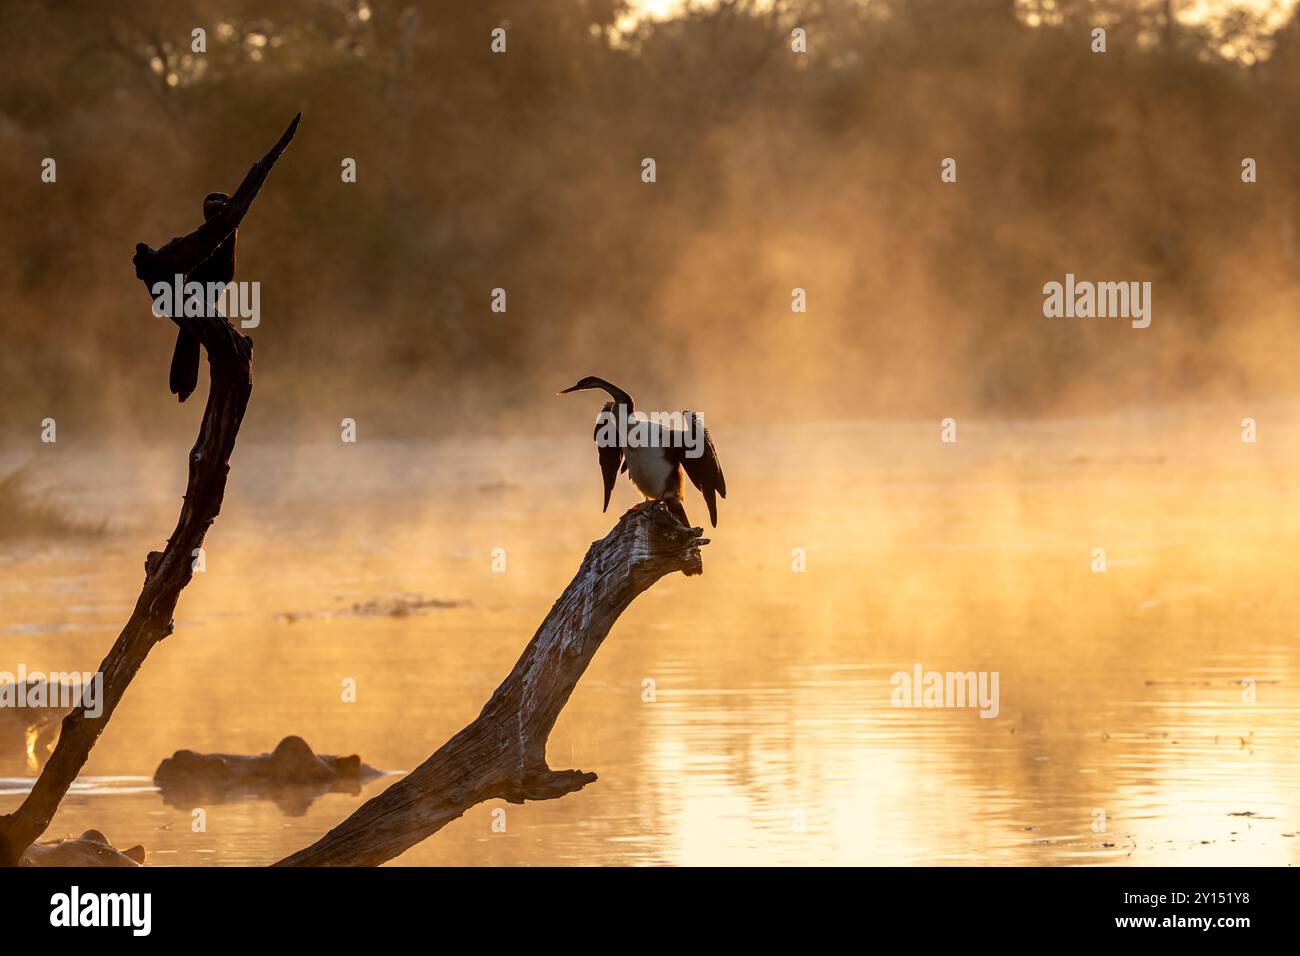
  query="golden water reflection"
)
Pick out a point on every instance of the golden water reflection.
point(771, 738)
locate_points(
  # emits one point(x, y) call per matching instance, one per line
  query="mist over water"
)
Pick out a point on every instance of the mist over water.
point(771, 737)
point(775, 171)
point(854, 543)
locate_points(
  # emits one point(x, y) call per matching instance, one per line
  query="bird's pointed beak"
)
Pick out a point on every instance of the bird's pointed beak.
point(566, 391)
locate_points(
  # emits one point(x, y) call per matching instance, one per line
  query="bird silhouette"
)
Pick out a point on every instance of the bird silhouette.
point(219, 267)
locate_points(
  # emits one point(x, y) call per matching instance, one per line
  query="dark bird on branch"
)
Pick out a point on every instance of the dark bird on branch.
point(654, 453)
point(219, 267)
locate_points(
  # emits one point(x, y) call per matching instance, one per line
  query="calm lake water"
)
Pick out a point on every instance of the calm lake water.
point(771, 737)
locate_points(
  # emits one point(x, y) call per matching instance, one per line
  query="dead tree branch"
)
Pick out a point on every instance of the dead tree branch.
point(230, 357)
point(503, 752)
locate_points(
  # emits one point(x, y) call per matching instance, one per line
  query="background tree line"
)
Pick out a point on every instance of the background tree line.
point(775, 171)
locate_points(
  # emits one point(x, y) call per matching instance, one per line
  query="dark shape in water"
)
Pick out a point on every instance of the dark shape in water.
point(292, 776)
point(90, 849)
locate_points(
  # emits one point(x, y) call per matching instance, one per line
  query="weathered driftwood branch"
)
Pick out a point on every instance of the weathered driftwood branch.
point(230, 357)
point(503, 752)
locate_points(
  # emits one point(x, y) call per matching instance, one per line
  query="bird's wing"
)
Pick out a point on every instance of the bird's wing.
point(184, 253)
point(611, 456)
point(184, 374)
point(220, 266)
point(704, 471)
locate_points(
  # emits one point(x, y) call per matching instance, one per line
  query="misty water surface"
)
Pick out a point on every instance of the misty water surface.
point(771, 738)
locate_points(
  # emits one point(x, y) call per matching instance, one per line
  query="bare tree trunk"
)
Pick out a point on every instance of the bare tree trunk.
point(230, 357)
point(503, 752)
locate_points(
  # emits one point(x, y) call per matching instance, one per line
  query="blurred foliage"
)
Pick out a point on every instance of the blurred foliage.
point(774, 170)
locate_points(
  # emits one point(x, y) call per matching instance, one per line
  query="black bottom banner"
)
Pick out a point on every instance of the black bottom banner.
point(292, 906)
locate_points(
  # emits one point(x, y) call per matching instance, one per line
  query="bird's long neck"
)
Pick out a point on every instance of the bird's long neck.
point(620, 397)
